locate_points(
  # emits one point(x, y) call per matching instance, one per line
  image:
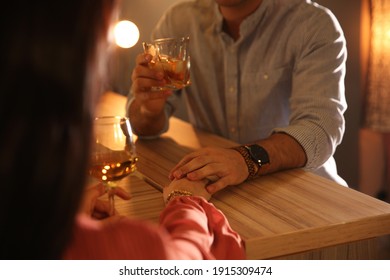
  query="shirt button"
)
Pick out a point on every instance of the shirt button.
point(233, 130)
point(232, 89)
point(265, 76)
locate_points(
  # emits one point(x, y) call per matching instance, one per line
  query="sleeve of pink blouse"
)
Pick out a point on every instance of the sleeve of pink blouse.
point(190, 228)
point(194, 222)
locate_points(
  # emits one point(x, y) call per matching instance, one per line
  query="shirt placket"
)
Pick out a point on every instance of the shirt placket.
point(231, 91)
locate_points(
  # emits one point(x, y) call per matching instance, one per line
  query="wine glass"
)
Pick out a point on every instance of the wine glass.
point(113, 155)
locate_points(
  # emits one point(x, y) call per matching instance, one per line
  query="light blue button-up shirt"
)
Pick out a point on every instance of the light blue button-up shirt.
point(284, 74)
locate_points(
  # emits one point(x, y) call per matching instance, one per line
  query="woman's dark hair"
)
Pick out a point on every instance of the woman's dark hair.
point(46, 51)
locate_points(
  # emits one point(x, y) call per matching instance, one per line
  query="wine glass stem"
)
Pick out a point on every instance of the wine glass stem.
point(111, 195)
point(111, 201)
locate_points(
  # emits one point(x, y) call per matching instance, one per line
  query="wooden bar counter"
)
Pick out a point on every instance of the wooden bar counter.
point(287, 215)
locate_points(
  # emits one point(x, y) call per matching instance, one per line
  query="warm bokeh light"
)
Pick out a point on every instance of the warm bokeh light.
point(126, 34)
point(380, 28)
point(378, 96)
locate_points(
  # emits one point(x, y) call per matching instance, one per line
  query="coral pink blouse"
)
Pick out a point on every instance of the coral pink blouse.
point(190, 228)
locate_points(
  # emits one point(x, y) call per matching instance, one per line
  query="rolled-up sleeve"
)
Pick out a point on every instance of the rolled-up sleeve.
point(318, 101)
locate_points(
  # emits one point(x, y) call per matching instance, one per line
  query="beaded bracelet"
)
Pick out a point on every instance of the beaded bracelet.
point(252, 167)
point(176, 193)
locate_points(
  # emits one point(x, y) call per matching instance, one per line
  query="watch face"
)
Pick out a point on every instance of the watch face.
point(258, 154)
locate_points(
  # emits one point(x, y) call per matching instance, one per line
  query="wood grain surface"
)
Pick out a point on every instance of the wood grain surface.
point(289, 214)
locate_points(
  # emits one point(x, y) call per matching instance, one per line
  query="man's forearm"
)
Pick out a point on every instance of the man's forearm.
point(145, 123)
point(284, 153)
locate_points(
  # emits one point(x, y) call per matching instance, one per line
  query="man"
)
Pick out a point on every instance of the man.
point(268, 74)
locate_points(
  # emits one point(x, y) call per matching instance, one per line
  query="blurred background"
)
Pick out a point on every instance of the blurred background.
point(145, 14)
point(360, 158)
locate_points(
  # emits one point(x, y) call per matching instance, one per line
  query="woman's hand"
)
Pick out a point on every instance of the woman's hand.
point(197, 188)
point(222, 166)
point(95, 207)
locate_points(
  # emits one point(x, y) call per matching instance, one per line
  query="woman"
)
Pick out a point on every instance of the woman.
point(52, 60)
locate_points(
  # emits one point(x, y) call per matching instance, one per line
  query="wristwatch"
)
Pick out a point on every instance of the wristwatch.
point(255, 157)
point(258, 154)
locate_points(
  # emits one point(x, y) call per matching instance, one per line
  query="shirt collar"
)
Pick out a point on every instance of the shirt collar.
point(248, 25)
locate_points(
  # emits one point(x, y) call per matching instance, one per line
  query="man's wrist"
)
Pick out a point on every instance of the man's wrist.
point(255, 157)
point(253, 168)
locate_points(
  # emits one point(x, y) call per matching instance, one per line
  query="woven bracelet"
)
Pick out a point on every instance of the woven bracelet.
point(176, 193)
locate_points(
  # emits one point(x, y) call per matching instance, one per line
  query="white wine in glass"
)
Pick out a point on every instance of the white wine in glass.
point(113, 154)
